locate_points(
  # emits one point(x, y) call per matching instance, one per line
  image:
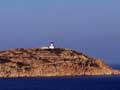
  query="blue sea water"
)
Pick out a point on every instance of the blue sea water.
point(64, 83)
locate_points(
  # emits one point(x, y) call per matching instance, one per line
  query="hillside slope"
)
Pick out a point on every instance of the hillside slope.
point(36, 62)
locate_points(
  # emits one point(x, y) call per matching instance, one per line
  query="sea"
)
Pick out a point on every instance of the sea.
point(62, 83)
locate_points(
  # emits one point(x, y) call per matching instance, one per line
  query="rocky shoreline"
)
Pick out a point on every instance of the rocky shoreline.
point(36, 62)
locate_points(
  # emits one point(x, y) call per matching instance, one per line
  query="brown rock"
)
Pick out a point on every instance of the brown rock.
point(37, 62)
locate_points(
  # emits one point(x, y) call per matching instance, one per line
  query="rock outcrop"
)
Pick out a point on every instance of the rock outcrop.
point(36, 62)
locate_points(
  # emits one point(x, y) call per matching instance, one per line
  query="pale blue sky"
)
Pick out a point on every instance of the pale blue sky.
point(90, 26)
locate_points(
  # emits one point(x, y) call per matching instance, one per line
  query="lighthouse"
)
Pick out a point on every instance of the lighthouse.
point(51, 46)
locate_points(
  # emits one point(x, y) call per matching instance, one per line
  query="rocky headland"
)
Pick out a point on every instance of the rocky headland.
point(36, 62)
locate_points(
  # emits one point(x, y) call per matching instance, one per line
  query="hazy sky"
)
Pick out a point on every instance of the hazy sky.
point(90, 26)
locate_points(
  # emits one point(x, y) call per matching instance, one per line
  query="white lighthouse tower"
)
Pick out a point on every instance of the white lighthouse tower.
point(51, 46)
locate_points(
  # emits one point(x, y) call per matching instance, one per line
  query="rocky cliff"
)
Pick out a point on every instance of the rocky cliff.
point(36, 62)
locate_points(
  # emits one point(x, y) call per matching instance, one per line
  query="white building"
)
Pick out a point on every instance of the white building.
point(51, 46)
point(44, 47)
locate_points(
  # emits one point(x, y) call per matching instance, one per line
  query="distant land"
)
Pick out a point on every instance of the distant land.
point(37, 62)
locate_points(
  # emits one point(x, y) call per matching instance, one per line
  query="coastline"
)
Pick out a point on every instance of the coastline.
point(36, 62)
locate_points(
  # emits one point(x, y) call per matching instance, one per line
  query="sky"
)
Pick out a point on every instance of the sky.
point(88, 26)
